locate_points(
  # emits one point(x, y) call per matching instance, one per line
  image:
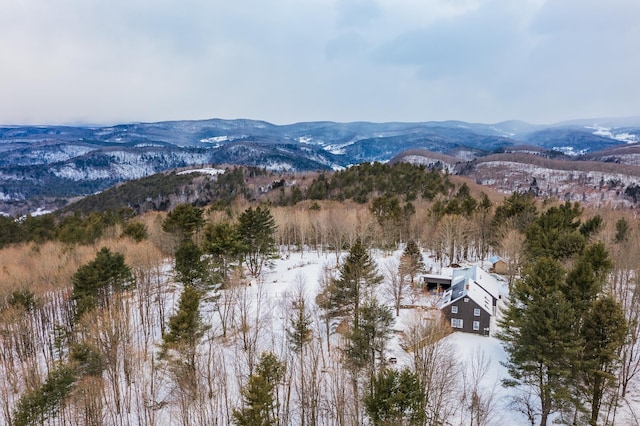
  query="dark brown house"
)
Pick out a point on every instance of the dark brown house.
point(471, 302)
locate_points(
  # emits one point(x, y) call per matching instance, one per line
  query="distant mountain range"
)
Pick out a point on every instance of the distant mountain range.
point(43, 163)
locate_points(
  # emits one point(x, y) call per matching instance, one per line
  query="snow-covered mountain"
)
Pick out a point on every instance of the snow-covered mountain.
point(66, 161)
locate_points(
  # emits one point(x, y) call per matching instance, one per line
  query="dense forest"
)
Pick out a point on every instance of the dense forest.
point(155, 309)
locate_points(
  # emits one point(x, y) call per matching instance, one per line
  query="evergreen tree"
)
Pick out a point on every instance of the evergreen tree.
point(358, 274)
point(555, 233)
point(586, 279)
point(467, 203)
point(520, 208)
point(622, 230)
point(259, 396)
point(222, 241)
point(42, 403)
point(299, 332)
point(387, 211)
point(411, 262)
point(185, 328)
point(95, 282)
point(135, 230)
point(368, 337)
point(184, 220)
point(190, 268)
point(257, 228)
point(23, 298)
point(539, 336)
point(395, 398)
point(591, 226)
point(604, 333)
point(482, 219)
point(10, 231)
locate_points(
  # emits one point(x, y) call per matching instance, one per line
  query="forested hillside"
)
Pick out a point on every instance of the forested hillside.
point(256, 298)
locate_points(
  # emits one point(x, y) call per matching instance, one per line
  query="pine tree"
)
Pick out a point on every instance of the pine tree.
point(538, 331)
point(411, 262)
point(42, 403)
point(368, 337)
point(358, 274)
point(222, 241)
point(259, 396)
point(191, 269)
point(622, 230)
point(395, 398)
point(519, 208)
point(343, 297)
point(482, 219)
point(184, 220)
point(185, 328)
point(95, 282)
point(555, 233)
point(135, 230)
point(299, 331)
point(604, 333)
point(257, 229)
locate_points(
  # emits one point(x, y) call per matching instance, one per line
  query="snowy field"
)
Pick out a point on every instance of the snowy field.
point(247, 320)
point(468, 349)
point(280, 282)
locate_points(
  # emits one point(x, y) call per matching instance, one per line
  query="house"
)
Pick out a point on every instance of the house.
point(471, 303)
point(499, 265)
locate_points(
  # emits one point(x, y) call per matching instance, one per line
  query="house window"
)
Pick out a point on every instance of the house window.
point(456, 323)
point(476, 312)
point(476, 325)
point(454, 309)
point(466, 299)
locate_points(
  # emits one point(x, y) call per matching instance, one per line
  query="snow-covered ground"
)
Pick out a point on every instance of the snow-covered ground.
point(280, 282)
point(151, 395)
point(207, 170)
point(607, 132)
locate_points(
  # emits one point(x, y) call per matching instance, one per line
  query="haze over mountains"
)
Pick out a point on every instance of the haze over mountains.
point(49, 162)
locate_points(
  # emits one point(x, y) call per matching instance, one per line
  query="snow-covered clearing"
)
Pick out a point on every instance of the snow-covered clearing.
point(207, 170)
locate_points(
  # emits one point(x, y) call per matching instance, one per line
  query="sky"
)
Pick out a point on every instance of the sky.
point(286, 61)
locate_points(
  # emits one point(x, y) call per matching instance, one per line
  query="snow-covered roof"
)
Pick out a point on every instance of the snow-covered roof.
point(494, 259)
point(474, 283)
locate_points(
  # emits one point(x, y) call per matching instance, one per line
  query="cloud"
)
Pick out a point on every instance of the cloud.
point(293, 60)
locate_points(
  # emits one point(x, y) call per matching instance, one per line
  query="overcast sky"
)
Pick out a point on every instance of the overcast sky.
point(284, 61)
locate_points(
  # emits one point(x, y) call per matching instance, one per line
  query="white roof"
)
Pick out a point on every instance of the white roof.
point(479, 285)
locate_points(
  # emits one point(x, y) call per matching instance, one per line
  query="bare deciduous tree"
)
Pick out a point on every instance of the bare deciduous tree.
point(395, 284)
point(479, 394)
point(434, 362)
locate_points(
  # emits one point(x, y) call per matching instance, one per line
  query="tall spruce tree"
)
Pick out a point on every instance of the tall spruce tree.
point(358, 274)
point(343, 297)
point(555, 233)
point(604, 332)
point(257, 228)
point(561, 331)
point(539, 336)
point(299, 335)
point(368, 337)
